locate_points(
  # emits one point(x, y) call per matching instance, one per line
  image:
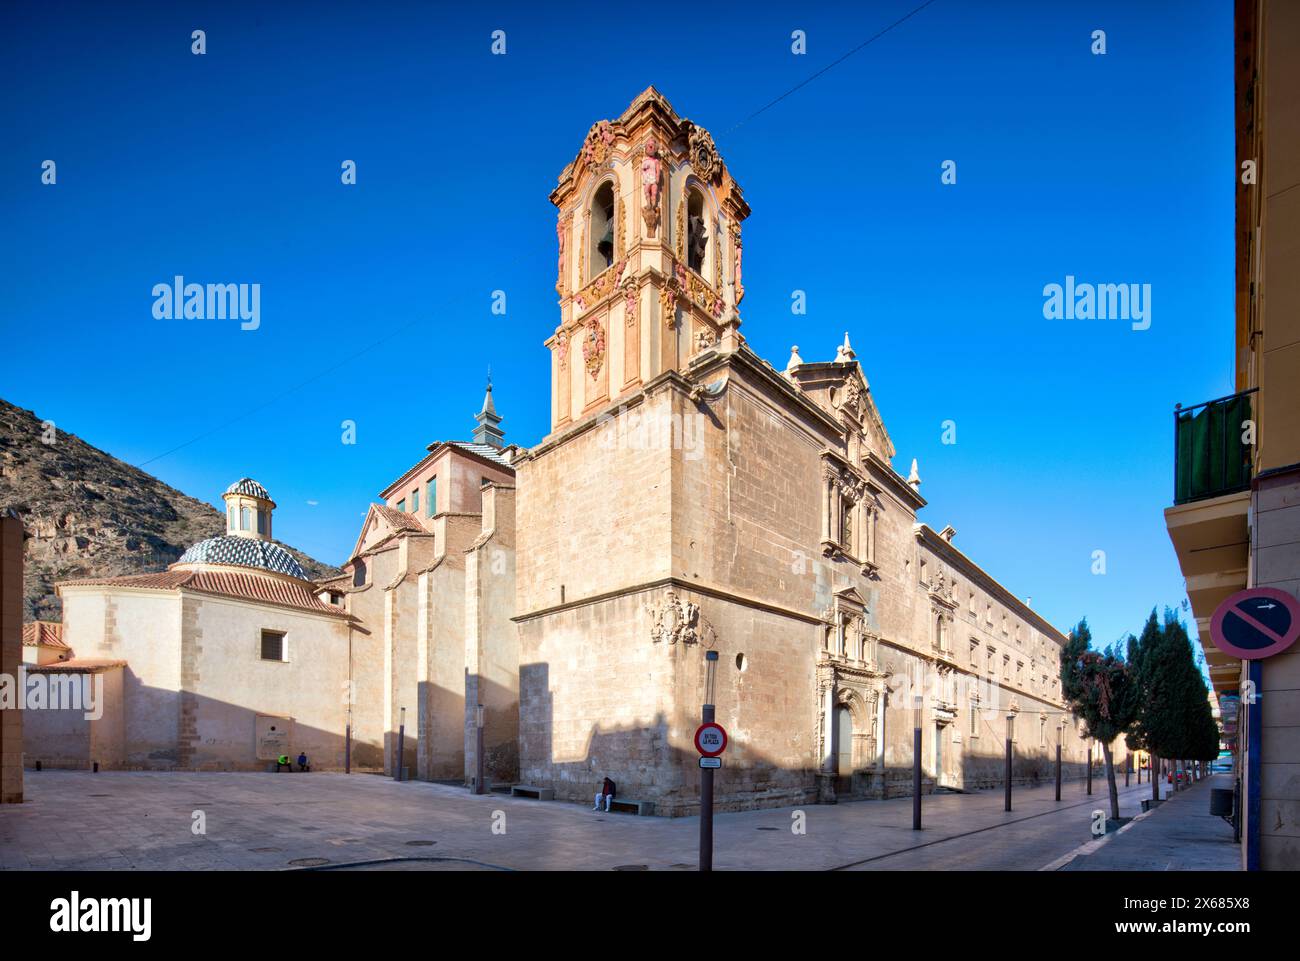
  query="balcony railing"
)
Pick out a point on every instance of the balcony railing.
point(1212, 443)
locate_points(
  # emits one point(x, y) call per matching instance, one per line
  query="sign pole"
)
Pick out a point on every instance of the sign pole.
point(706, 773)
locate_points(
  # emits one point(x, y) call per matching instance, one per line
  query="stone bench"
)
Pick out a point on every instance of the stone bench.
point(641, 808)
point(529, 790)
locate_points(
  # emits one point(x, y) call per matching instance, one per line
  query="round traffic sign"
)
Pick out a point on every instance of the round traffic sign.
point(710, 739)
point(1256, 623)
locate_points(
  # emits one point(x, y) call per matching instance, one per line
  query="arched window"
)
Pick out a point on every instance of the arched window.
point(359, 574)
point(697, 235)
point(602, 229)
point(243, 518)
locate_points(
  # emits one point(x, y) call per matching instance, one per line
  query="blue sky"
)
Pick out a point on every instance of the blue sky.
point(376, 297)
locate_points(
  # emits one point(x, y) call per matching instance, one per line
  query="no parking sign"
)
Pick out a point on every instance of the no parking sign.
point(1256, 623)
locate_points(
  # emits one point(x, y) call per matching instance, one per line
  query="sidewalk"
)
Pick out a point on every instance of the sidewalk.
point(1179, 835)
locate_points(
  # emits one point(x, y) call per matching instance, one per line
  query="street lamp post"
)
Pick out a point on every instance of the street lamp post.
point(1089, 770)
point(479, 786)
point(1011, 727)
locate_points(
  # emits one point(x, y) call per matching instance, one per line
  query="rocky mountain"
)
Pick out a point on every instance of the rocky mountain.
point(92, 515)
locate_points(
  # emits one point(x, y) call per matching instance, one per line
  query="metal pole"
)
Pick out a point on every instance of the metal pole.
point(1155, 777)
point(706, 774)
point(401, 745)
point(1090, 772)
point(479, 786)
point(1128, 767)
point(347, 750)
point(1009, 723)
point(916, 777)
point(706, 805)
point(1058, 770)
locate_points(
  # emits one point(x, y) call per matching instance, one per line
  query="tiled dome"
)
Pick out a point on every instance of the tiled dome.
point(244, 552)
point(250, 487)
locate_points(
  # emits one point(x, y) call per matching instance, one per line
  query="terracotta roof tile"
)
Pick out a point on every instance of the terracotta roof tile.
point(222, 583)
point(45, 633)
point(76, 664)
point(399, 520)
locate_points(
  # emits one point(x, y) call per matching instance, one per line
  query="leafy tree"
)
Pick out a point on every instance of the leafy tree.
point(1102, 693)
point(1174, 718)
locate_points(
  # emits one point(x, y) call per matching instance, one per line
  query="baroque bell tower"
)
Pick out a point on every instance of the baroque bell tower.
point(649, 267)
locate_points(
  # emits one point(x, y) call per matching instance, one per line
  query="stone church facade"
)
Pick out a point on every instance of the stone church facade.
point(691, 497)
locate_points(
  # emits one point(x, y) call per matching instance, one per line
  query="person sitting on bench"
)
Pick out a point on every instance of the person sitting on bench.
point(302, 761)
point(606, 794)
point(283, 762)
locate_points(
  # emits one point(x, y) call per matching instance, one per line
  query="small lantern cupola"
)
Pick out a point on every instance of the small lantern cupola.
point(248, 510)
point(487, 431)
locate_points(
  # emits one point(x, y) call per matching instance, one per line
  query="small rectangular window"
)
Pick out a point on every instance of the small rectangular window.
point(415, 501)
point(243, 518)
point(261, 522)
point(272, 646)
point(401, 505)
point(431, 502)
point(484, 481)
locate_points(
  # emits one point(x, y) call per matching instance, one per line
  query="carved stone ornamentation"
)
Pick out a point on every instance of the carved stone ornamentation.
point(703, 154)
point(675, 620)
point(561, 235)
point(631, 304)
point(705, 338)
point(601, 286)
point(620, 232)
point(593, 346)
point(600, 138)
point(681, 230)
point(668, 303)
point(651, 179)
point(735, 240)
point(562, 348)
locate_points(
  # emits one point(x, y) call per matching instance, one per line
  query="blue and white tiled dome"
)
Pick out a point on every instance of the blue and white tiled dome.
point(244, 552)
point(250, 487)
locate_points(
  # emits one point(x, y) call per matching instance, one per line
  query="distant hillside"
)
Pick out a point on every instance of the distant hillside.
point(92, 515)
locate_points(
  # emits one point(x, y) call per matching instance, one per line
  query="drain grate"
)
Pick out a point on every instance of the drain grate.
point(421, 844)
point(309, 862)
point(632, 867)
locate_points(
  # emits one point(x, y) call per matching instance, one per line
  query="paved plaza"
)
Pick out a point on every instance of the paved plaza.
point(144, 820)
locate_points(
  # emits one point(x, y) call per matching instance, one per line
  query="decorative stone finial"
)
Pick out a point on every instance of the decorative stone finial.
point(795, 360)
point(914, 479)
point(845, 352)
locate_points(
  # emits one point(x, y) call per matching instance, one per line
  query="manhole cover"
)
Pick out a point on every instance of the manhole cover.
point(309, 862)
point(632, 867)
point(421, 844)
point(265, 850)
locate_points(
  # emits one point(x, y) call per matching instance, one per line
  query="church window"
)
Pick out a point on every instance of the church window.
point(273, 646)
point(415, 501)
point(602, 228)
point(846, 524)
point(697, 238)
point(431, 507)
point(262, 518)
point(243, 518)
point(359, 574)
